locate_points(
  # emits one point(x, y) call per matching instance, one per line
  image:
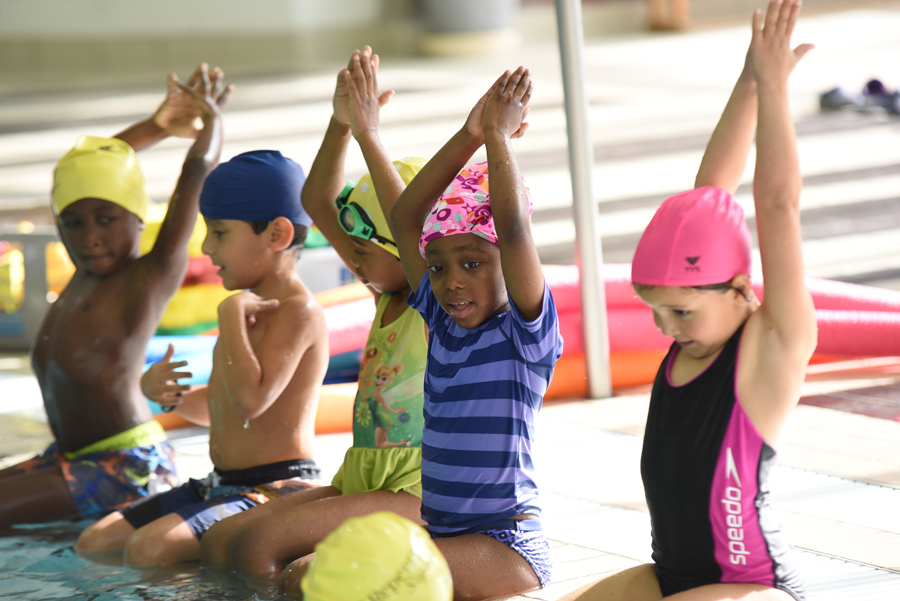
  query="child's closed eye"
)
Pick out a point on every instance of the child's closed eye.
point(682, 313)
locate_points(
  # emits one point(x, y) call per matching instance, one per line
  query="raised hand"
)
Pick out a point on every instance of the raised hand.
point(474, 125)
point(179, 112)
point(770, 54)
point(160, 382)
point(365, 101)
point(507, 106)
point(340, 103)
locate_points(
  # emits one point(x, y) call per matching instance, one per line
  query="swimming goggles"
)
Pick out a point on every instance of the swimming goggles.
point(355, 220)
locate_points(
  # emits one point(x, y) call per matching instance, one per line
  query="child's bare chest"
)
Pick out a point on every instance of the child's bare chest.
point(84, 333)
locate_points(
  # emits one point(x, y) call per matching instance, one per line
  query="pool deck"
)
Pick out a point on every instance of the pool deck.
point(836, 486)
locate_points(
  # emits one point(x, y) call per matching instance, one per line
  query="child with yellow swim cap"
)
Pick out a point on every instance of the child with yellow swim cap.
point(89, 352)
point(382, 470)
point(267, 368)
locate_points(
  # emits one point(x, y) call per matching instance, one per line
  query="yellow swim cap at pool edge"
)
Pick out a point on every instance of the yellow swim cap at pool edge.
point(104, 168)
point(378, 556)
point(363, 194)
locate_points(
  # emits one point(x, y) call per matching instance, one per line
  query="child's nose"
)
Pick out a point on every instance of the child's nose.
point(668, 328)
point(93, 235)
point(206, 246)
point(453, 280)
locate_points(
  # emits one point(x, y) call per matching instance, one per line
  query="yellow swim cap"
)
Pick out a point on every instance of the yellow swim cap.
point(363, 194)
point(104, 168)
point(378, 556)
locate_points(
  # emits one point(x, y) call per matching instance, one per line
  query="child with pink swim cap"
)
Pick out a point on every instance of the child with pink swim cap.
point(735, 368)
point(464, 236)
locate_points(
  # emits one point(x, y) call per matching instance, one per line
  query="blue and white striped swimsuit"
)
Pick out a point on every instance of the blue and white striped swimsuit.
point(483, 390)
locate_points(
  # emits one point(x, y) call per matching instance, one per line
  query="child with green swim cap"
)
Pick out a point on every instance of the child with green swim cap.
point(382, 470)
point(89, 351)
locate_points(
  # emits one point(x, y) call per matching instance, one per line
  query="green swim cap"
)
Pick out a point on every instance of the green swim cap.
point(378, 556)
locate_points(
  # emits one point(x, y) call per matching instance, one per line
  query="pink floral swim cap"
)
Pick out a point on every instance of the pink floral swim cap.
point(696, 238)
point(464, 208)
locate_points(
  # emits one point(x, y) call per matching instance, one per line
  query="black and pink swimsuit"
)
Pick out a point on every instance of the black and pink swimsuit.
point(705, 470)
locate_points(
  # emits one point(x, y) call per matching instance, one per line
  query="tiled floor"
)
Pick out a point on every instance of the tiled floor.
point(835, 488)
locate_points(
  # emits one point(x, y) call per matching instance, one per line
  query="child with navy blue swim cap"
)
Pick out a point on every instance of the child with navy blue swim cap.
point(268, 366)
point(237, 192)
point(381, 471)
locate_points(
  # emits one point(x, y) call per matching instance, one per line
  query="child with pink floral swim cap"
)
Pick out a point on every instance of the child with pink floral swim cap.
point(735, 367)
point(464, 236)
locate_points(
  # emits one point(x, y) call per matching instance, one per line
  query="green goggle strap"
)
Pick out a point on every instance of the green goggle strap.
point(362, 223)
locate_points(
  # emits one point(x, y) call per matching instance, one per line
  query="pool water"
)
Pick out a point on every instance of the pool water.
point(38, 562)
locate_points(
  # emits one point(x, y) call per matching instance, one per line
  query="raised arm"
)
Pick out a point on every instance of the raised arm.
point(787, 309)
point(725, 157)
point(365, 106)
point(255, 379)
point(176, 116)
point(325, 179)
point(170, 248)
point(504, 119)
point(408, 214)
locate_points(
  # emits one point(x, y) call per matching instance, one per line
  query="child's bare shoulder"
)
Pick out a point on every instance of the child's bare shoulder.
point(301, 315)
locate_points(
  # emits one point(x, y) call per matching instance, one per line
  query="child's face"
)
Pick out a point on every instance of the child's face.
point(700, 321)
point(237, 250)
point(467, 278)
point(375, 267)
point(100, 236)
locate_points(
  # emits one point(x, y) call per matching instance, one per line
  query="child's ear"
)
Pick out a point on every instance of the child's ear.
point(281, 233)
point(742, 288)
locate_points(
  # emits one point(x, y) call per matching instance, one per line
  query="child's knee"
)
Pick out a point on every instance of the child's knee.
point(106, 534)
point(252, 549)
point(143, 549)
point(293, 575)
point(166, 541)
point(214, 545)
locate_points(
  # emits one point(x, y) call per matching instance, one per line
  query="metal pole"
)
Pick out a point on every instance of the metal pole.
point(588, 253)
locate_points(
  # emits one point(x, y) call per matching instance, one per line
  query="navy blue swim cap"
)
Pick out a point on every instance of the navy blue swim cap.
point(259, 185)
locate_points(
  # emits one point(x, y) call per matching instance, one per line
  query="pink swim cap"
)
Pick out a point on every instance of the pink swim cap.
point(696, 238)
point(464, 208)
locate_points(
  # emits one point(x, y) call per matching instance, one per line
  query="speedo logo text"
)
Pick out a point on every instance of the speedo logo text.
point(734, 521)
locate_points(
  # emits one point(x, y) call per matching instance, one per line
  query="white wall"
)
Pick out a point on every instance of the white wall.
point(86, 19)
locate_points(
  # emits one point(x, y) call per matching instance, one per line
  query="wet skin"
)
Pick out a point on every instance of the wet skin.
point(237, 442)
point(466, 278)
point(89, 352)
